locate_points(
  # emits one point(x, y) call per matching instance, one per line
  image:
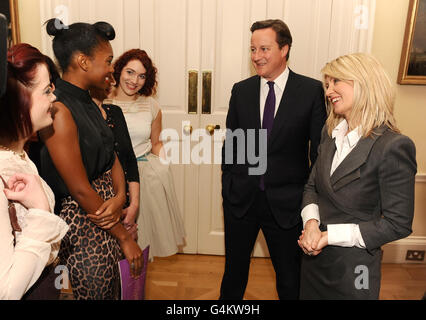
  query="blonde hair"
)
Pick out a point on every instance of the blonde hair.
point(374, 94)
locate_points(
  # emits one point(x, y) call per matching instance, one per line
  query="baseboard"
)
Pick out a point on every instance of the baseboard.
point(396, 252)
point(421, 178)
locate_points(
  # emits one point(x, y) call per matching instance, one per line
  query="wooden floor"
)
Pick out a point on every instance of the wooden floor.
point(198, 277)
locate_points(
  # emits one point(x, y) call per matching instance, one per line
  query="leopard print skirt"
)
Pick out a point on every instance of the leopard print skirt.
point(90, 253)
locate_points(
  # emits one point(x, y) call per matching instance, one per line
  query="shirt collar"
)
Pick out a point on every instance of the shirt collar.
point(280, 81)
point(340, 132)
point(68, 87)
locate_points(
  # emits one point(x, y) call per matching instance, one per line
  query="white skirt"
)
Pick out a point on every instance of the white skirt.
point(160, 223)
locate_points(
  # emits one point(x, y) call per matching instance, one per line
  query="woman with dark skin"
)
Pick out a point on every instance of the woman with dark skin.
point(79, 163)
point(123, 148)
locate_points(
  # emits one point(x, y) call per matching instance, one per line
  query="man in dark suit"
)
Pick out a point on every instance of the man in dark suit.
point(290, 108)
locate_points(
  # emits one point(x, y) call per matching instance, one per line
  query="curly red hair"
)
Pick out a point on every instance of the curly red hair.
point(150, 86)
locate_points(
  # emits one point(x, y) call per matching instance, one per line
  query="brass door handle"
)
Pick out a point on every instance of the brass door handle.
point(206, 107)
point(187, 129)
point(211, 128)
point(192, 91)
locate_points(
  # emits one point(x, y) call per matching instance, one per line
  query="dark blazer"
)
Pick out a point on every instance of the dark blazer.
point(294, 139)
point(372, 187)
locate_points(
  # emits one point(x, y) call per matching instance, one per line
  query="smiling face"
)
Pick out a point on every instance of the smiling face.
point(340, 93)
point(132, 78)
point(267, 58)
point(101, 67)
point(42, 98)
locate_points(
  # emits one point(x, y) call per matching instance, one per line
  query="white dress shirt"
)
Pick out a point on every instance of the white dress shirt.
point(38, 243)
point(348, 234)
point(279, 86)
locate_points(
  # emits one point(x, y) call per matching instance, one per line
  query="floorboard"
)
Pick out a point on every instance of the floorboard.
point(198, 277)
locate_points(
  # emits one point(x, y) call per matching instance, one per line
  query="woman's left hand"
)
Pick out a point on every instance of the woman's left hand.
point(311, 235)
point(108, 214)
point(323, 242)
point(314, 251)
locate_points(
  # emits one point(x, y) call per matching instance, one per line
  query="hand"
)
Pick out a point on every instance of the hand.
point(129, 215)
point(133, 231)
point(28, 190)
point(134, 255)
point(129, 220)
point(323, 241)
point(311, 235)
point(108, 214)
point(299, 242)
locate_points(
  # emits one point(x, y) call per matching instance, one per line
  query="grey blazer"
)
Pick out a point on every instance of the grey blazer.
point(372, 187)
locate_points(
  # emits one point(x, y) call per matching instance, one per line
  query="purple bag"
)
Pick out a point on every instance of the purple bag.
point(133, 289)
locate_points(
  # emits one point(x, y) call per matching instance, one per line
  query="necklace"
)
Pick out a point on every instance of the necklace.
point(21, 154)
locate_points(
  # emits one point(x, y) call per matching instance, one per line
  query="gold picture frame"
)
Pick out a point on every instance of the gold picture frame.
point(412, 67)
point(14, 22)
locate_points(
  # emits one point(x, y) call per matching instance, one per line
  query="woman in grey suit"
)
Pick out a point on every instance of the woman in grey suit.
point(360, 194)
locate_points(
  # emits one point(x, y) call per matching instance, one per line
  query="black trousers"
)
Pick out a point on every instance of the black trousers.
point(240, 237)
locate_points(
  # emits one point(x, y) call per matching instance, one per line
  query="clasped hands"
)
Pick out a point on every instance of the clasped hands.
point(312, 240)
point(111, 212)
point(108, 214)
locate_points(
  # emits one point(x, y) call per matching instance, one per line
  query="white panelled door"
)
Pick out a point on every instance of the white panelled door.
point(210, 39)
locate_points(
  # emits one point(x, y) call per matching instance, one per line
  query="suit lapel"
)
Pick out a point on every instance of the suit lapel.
point(328, 148)
point(288, 100)
point(253, 102)
point(347, 170)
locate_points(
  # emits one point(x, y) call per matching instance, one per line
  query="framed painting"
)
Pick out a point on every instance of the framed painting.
point(412, 68)
point(10, 9)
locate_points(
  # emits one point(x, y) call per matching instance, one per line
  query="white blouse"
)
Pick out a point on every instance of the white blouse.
point(38, 243)
point(139, 115)
point(342, 234)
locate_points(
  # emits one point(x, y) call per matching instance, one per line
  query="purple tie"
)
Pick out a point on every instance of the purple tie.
point(268, 119)
point(269, 111)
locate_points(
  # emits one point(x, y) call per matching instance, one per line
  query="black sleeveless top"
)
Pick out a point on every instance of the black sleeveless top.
point(95, 138)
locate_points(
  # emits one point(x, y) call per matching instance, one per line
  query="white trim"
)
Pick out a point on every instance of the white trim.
point(395, 252)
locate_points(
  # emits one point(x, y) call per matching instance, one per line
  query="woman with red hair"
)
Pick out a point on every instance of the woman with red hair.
point(30, 233)
point(159, 219)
